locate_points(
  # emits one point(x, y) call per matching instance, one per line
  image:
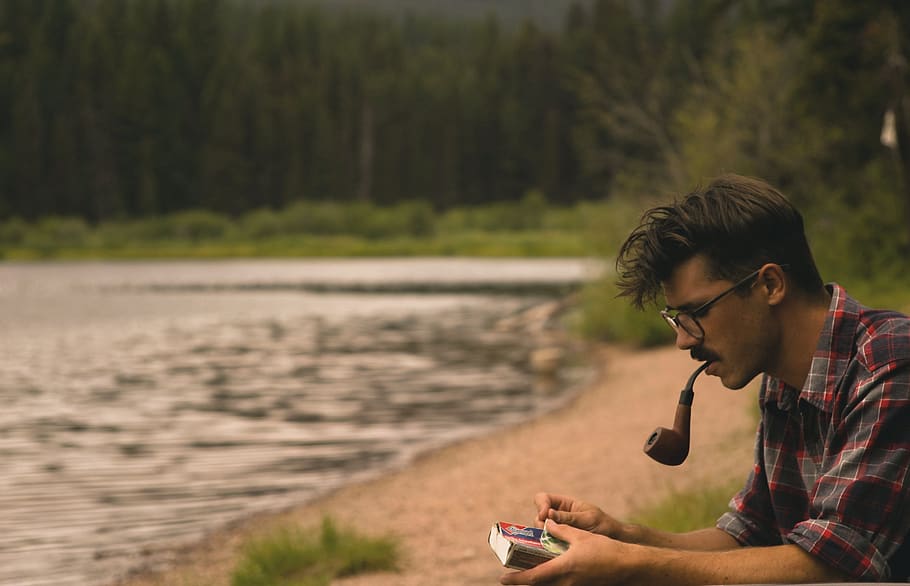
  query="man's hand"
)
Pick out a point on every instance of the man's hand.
point(590, 559)
point(593, 559)
point(569, 511)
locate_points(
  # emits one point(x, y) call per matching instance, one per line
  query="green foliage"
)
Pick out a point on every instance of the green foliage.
point(529, 213)
point(198, 225)
point(307, 229)
point(607, 223)
point(304, 217)
point(413, 218)
point(261, 223)
point(730, 121)
point(293, 557)
point(690, 510)
point(126, 108)
point(547, 13)
point(533, 207)
point(49, 234)
point(13, 231)
point(116, 234)
point(605, 316)
point(62, 231)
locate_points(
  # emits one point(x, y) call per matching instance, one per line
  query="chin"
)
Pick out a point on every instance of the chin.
point(736, 382)
point(734, 386)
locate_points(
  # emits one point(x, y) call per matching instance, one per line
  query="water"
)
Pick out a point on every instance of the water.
point(148, 403)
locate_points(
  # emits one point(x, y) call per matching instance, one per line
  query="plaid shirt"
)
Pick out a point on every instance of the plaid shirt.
point(832, 461)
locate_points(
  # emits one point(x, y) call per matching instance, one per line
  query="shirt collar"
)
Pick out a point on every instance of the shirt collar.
point(831, 357)
point(834, 350)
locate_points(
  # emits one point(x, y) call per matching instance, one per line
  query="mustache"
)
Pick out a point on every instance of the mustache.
point(702, 355)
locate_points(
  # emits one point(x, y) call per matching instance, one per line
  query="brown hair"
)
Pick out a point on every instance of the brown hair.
point(738, 223)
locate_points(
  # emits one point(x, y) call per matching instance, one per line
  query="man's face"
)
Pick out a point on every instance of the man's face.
point(738, 331)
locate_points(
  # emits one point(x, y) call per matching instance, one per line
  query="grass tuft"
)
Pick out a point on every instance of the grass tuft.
point(689, 510)
point(294, 557)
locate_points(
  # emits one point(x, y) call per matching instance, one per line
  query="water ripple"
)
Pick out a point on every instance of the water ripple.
point(158, 417)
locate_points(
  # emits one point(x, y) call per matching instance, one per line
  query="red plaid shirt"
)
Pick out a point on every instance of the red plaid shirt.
point(832, 461)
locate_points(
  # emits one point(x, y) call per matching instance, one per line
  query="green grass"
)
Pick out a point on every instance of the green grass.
point(294, 557)
point(689, 510)
point(529, 227)
point(532, 243)
point(476, 244)
point(606, 317)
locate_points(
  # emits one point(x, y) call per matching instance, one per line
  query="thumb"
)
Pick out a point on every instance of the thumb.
point(566, 533)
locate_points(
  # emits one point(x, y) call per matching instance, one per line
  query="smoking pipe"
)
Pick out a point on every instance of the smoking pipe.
point(671, 446)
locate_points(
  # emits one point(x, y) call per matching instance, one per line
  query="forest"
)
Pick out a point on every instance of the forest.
point(119, 110)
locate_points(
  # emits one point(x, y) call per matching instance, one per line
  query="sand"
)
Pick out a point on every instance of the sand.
point(441, 506)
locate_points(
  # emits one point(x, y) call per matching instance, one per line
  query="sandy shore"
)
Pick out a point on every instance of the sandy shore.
point(441, 507)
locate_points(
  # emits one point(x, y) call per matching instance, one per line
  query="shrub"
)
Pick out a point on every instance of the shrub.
point(58, 232)
point(532, 209)
point(417, 217)
point(197, 225)
point(117, 234)
point(13, 231)
point(606, 317)
point(262, 223)
point(307, 217)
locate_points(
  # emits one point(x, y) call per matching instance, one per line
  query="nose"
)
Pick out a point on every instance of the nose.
point(685, 340)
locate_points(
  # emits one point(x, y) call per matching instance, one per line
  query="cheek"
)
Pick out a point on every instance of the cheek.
point(752, 339)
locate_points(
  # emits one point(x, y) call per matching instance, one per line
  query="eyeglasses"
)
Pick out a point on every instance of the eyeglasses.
point(688, 319)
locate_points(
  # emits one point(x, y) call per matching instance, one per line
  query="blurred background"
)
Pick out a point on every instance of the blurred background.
point(250, 249)
point(130, 127)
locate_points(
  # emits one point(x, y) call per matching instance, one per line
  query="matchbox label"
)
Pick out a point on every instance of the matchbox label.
point(521, 533)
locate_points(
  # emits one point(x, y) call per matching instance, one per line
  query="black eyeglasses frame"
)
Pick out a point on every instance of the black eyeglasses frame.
point(690, 323)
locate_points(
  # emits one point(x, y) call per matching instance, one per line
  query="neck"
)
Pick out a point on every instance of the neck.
point(803, 319)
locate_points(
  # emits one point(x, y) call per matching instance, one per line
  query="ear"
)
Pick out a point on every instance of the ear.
point(773, 283)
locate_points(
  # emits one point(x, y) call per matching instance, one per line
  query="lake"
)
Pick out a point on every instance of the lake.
point(148, 403)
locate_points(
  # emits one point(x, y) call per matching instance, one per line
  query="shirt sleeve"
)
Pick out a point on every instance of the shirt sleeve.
point(860, 506)
point(750, 519)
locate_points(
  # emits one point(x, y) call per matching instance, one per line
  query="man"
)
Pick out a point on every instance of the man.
point(828, 499)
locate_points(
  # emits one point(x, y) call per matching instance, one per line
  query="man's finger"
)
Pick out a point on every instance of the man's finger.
point(541, 574)
point(567, 533)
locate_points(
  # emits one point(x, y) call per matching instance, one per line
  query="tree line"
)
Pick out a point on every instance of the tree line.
point(118, 109)
point(142, 107)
